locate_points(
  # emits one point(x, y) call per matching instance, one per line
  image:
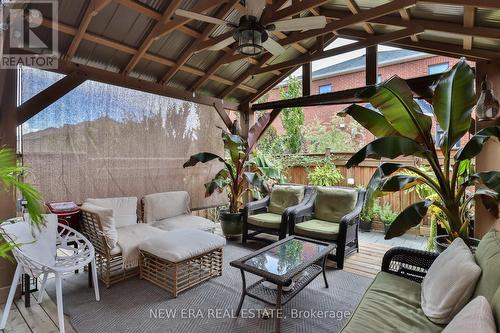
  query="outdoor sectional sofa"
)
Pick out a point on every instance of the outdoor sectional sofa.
point(392, 302)
point(116, 231)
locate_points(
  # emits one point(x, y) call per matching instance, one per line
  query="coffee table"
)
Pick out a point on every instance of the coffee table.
point(291, 259)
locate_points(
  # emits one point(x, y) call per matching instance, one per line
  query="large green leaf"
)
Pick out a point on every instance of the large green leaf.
point(384, 170)
point(408, 218)
point(389, 147)
point(399, 182)
point(395, 101)
point(234, 144)
point(453, 100)
point(201, 158)
point(216, 184)
point(370, 119)
point(256, 180)
point(476, 143)
point(490, 179)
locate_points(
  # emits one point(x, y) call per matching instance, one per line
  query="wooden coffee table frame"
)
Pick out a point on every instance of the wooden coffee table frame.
point(278, 298)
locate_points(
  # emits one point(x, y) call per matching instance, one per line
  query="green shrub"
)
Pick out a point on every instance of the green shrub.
point(386, 214)
point(325, 175)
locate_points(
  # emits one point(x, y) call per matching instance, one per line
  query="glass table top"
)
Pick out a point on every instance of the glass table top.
point(283, 258)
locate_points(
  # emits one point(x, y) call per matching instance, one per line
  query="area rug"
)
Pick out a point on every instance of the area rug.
point(138, 306)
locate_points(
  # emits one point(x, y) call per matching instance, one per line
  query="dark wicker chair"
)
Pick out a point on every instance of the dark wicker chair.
point(408, 263)
point(347, 237)
point(250, 231)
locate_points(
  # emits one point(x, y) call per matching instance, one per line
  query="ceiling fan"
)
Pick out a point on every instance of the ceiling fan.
point(251, 35)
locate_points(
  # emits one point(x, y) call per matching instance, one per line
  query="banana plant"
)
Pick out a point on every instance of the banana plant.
point(238, 171)
point(402, 129)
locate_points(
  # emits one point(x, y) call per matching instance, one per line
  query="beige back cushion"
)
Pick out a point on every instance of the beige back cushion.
point(107, 222)
point(284, 196)
point(160, 206)
point(475, 317)
point(450, 282)
point(333, 203)
point(124, 209)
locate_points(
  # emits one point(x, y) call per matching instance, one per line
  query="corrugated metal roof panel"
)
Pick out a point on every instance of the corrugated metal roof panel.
point(70, 11)
point(487, 17)
point(233, 70)
point(439, 12)
point(442, 37)
point(104, 56)
point(165, 46)
point(183, 80)
point(204, 60)
point(486, 43)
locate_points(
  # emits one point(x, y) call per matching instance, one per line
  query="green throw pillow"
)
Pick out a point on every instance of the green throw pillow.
point(284, 196)
point(333, 203)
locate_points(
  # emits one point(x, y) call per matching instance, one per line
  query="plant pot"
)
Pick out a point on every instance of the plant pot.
point(365, 225)
point(442, 243)
point(231, 223)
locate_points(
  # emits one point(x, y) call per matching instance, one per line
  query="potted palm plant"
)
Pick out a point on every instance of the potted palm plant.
point(402, 129)
point(10, 174)
point(237, 173)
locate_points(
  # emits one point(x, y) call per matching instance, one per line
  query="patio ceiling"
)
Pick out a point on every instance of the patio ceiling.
point(145, 39)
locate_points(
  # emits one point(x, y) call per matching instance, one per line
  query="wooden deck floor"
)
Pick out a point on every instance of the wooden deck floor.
point(42, 318)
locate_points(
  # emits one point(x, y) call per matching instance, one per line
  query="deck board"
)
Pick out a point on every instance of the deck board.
point(43, 317)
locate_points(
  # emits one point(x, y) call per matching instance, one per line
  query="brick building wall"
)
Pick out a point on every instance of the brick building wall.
point(407, 68)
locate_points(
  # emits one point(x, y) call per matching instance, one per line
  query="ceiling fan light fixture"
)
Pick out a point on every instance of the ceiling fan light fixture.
point(250, 36)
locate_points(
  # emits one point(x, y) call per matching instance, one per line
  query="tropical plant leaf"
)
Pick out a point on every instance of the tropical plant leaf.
point(476, 143)
point(255, 180)
point(370, 119)
point(395, 101)
point(233, 144)
point(490, 179)
point(201, 158)
point(399, 182)
point(260, 127)
point(216, 184)
point(384, 170)
point(408, 218)
point(453, 100)
point(389, 147)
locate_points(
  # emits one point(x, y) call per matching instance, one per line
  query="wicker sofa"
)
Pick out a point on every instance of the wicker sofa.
point(392, 302)
point(130, 226)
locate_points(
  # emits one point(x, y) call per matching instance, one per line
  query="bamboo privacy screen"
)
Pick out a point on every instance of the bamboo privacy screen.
point(103, 141)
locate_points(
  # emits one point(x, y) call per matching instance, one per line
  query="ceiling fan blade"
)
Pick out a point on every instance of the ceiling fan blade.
point(199, 17)
point(255, 7)
point(222, 44)
point(273, 46)
point(299, 24)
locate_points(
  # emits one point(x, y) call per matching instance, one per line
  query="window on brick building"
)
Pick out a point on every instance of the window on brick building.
point(437, 68)
point(325, 88)
point(439, 135)
point(379, 78)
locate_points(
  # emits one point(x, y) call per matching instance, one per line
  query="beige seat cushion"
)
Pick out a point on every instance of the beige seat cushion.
point(124, 209)
point(129, 239)
point(475, 317)
point(160, 206)
point(179, 245)
point(449, 283)
point(107, 222)
point(265, 220)
point(333, 203)
point(185, 222)
point(284, 196)
point(318, 229)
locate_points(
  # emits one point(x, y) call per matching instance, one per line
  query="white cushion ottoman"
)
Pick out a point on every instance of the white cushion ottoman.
point(181, 259)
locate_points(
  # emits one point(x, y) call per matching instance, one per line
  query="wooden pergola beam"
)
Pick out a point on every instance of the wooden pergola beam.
point(321, 43)
point(152, 36)
point(120, 80)
point(354, 8)
point(184, 57)
point(223, 115)
point(49, 95)
point(419, 86)
point(406, 16)
point(442, 26)
point(148, 56)
point(94, 7)
point(448, 50)
point(372, 40)
point(469, 18)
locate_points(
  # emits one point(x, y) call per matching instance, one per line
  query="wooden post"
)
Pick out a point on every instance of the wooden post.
point(306, 79)
point(246, 119)
point(488, 159)
point(371, 65)
point(8, 125)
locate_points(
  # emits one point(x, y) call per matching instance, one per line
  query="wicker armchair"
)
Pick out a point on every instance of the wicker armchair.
point(261, 208)
point(408, 263)
point(344, 233)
